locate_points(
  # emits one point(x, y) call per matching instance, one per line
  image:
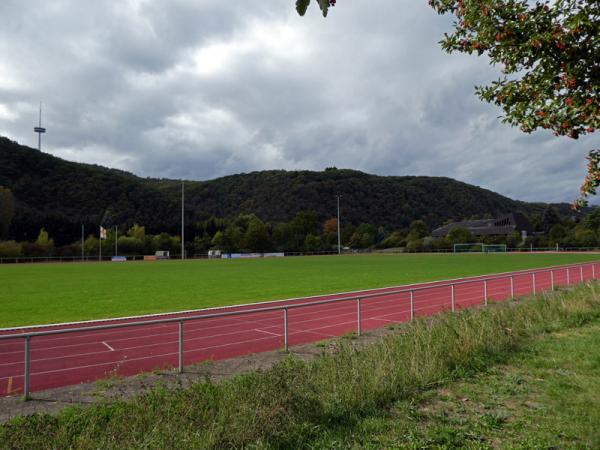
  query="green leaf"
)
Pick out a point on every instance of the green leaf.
point(301, 6)
point(324, 4)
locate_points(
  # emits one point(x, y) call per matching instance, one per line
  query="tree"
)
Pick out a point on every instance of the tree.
point(164, 241)
point(364, 236)
point(592, 220)
point(137, 232)
point(306, 222)
point(7, 210)
point(229, 240)
point(44, 242)
point(218, 240)
point(129, 245)
point(417, 230)
point(312, 243)
point(10, 249)
point(302, 6)
point(549, 219)
point(549, 54)
point(459, 235)
point(330, 226)
point(91, 245)
point(557, 233)
point(257, 237)
point(586, 238)
point(395, 239)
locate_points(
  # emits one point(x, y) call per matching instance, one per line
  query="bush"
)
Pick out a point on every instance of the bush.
point(130, 246)
point(10, 249)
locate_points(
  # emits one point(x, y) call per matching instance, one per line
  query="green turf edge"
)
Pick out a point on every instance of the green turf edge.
point(54, 293)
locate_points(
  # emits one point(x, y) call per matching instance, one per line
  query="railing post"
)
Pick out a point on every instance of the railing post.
point(568, 276)
point(285, 329)
point(412, 305)
point(453, 306)
point(533, 279)
point(581, 273)
point(181, 346)
point(512, 287)
point(593, 271)
point(485, 293)
point(27, 370)
point(358, 323)
point(552, 279)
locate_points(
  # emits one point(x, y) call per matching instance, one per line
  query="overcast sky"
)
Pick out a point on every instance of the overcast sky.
point(205, 88)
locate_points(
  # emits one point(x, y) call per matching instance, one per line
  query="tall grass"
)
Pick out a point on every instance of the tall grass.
point(290, 404)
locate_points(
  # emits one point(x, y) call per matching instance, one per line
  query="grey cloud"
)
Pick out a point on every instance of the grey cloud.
point(200, 89)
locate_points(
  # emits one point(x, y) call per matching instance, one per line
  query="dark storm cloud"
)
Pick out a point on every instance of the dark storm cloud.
point(200, 89)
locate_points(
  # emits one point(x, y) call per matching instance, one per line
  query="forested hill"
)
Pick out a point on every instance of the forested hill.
point(61, 195)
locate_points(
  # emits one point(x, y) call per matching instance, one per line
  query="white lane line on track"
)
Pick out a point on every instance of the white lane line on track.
point(268, 332)
point(382, 319)
point(172, 353)
point(212, 336)
point(331, 310)
point(108, 346)
point(325, 309)
point(189, 340)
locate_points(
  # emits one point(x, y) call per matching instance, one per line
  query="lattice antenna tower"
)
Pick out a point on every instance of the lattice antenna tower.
point(39, 129)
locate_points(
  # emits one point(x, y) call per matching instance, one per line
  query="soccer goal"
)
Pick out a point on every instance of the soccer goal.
point(475, 247)
point(479, 247)
point(494, 248)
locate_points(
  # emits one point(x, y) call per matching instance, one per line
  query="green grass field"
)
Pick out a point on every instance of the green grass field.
point(50, 293)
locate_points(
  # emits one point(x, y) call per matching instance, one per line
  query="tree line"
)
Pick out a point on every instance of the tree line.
point(306, 233)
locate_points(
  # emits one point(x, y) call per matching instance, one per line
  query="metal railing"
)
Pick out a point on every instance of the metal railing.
point(285, 308)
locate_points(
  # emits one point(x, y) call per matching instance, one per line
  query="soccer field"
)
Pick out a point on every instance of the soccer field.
point(51, 293)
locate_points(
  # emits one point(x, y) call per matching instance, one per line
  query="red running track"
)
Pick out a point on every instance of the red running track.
point(83, 356)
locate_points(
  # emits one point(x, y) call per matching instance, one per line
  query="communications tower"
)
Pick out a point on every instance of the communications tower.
point(40, 130)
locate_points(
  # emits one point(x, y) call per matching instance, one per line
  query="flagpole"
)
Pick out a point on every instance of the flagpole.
point(100, 240)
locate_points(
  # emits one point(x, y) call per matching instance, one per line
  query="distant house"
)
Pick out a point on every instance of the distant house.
point(502, 226)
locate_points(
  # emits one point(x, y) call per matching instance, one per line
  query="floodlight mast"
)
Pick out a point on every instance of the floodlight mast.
point(39, 129)
point(182, 220)
point(338, 225)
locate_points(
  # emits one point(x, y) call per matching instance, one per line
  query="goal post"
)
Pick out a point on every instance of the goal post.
point(494, 248)
point(479, 247)
point(473, 247)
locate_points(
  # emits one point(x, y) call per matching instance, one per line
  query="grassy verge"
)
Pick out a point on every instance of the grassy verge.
point(50, 293)
point(544, 396)
point(322, 403)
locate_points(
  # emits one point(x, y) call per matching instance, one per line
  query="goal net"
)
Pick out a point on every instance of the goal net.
point(478, 247)
point(494, 248)
point(475, 247)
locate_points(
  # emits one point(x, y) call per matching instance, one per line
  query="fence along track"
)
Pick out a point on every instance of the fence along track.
point(574, 273)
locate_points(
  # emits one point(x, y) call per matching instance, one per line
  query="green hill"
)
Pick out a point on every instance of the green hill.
point(61, 195)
